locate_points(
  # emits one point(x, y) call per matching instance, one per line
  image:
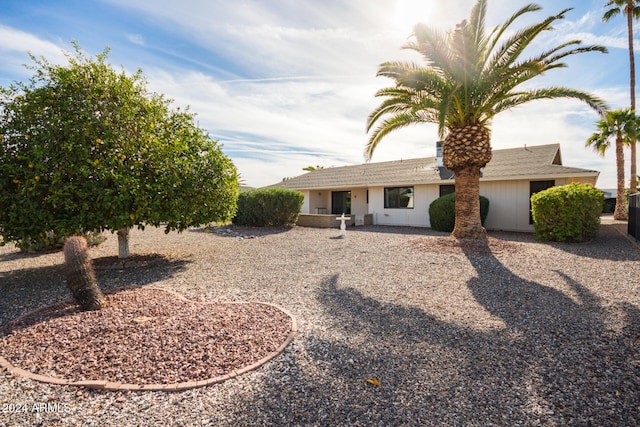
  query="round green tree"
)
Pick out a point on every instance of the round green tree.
point(84, 147)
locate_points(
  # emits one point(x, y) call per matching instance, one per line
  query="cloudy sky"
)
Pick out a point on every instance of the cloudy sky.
point(285, 84)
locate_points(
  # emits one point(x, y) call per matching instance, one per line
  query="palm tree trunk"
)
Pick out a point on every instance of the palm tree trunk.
point(633, 184)
point(620, 212)
point(468, 224)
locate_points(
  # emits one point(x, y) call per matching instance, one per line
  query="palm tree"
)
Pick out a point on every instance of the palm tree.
point(469, 77)
point(630, 8)
point(621, 126)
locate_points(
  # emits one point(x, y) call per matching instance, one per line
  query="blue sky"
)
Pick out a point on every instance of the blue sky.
point(284, 84)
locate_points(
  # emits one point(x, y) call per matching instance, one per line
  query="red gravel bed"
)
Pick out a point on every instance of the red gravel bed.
point(144, 336)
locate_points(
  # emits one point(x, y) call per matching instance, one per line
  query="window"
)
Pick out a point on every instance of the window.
point(398, 197)
point(341, 202)
point(447, 189)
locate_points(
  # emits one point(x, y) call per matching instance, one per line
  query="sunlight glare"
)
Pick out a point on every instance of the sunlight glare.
point(407, 13)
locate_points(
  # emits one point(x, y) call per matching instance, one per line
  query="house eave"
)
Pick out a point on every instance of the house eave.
point(561, 175)
point(538, 177)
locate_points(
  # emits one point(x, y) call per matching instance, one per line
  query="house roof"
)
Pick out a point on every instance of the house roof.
point(536, 162)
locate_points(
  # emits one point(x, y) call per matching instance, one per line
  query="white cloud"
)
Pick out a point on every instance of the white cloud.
point(15, 46)
point(14, 40)
point(289, 84)
point(136, 39)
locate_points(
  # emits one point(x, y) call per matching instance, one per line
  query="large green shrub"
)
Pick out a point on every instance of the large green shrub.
point(85, 147)
point(268, 207)
point(442, 212)
point(569, 213)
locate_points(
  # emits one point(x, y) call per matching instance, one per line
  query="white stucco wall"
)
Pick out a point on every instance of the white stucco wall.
point(508, 204)
point(314, 199)
point(359, 205)
point(417, 217)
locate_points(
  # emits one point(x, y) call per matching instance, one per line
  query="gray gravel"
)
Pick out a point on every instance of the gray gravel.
point(519, 333)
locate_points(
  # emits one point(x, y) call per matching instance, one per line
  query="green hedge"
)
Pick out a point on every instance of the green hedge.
point(569, 213)
point(268, 207)
point(442, 212)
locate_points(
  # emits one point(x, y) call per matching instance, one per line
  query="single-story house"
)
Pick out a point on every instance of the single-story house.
point(399, 192)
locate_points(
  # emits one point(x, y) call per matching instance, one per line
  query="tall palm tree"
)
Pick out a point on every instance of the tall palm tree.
point(469, 77)
point(630, 8)
point(621, 126)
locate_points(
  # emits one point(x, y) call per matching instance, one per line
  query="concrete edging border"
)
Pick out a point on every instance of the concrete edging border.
point(187, 385)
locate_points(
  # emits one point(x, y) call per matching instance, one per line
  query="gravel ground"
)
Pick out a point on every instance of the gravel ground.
point(515, 332)
point(145, 337)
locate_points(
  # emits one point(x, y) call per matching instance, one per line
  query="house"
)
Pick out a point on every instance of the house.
point(399, 192)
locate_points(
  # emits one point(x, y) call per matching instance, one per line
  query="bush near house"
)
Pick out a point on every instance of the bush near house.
point(569, 213)
point(268, 207)
point(442, 212)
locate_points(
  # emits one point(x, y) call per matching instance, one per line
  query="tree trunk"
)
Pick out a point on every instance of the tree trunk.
point(620, 212)
point(123, 243)
point(465, 151)
point(633, 184)
point(468, 223)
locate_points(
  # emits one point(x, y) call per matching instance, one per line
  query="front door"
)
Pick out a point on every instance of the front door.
point(341, 202)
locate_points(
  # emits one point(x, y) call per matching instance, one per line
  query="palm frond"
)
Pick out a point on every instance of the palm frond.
point(434, 47)
point(397, 121)
point(515, 45)
point(519, 98)
point(497, 33)
point(469, 76)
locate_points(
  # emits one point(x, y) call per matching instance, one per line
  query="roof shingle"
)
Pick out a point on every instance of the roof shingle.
point(508, 164)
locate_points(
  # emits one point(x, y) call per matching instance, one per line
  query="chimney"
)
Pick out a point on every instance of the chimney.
point(439, 153)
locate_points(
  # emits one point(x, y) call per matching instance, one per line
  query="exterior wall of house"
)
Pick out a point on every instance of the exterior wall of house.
point(317, 201)
point(306, 202)
point(359, 205)
point(508, 204)
point(418, 216)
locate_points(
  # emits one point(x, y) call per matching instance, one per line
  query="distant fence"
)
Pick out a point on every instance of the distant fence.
point(634, 216)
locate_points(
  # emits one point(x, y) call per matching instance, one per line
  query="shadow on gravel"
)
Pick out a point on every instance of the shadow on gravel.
point(612, 237)
point(26, 289)
point(393, 229)
point(581, 370)
point(556, 362)
point(240, 231)
point(10, 256)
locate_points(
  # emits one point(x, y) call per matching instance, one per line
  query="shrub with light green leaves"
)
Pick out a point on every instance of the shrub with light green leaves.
point(442, 212)
point(269, 207)
point(85, 147)
point(569, 213)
